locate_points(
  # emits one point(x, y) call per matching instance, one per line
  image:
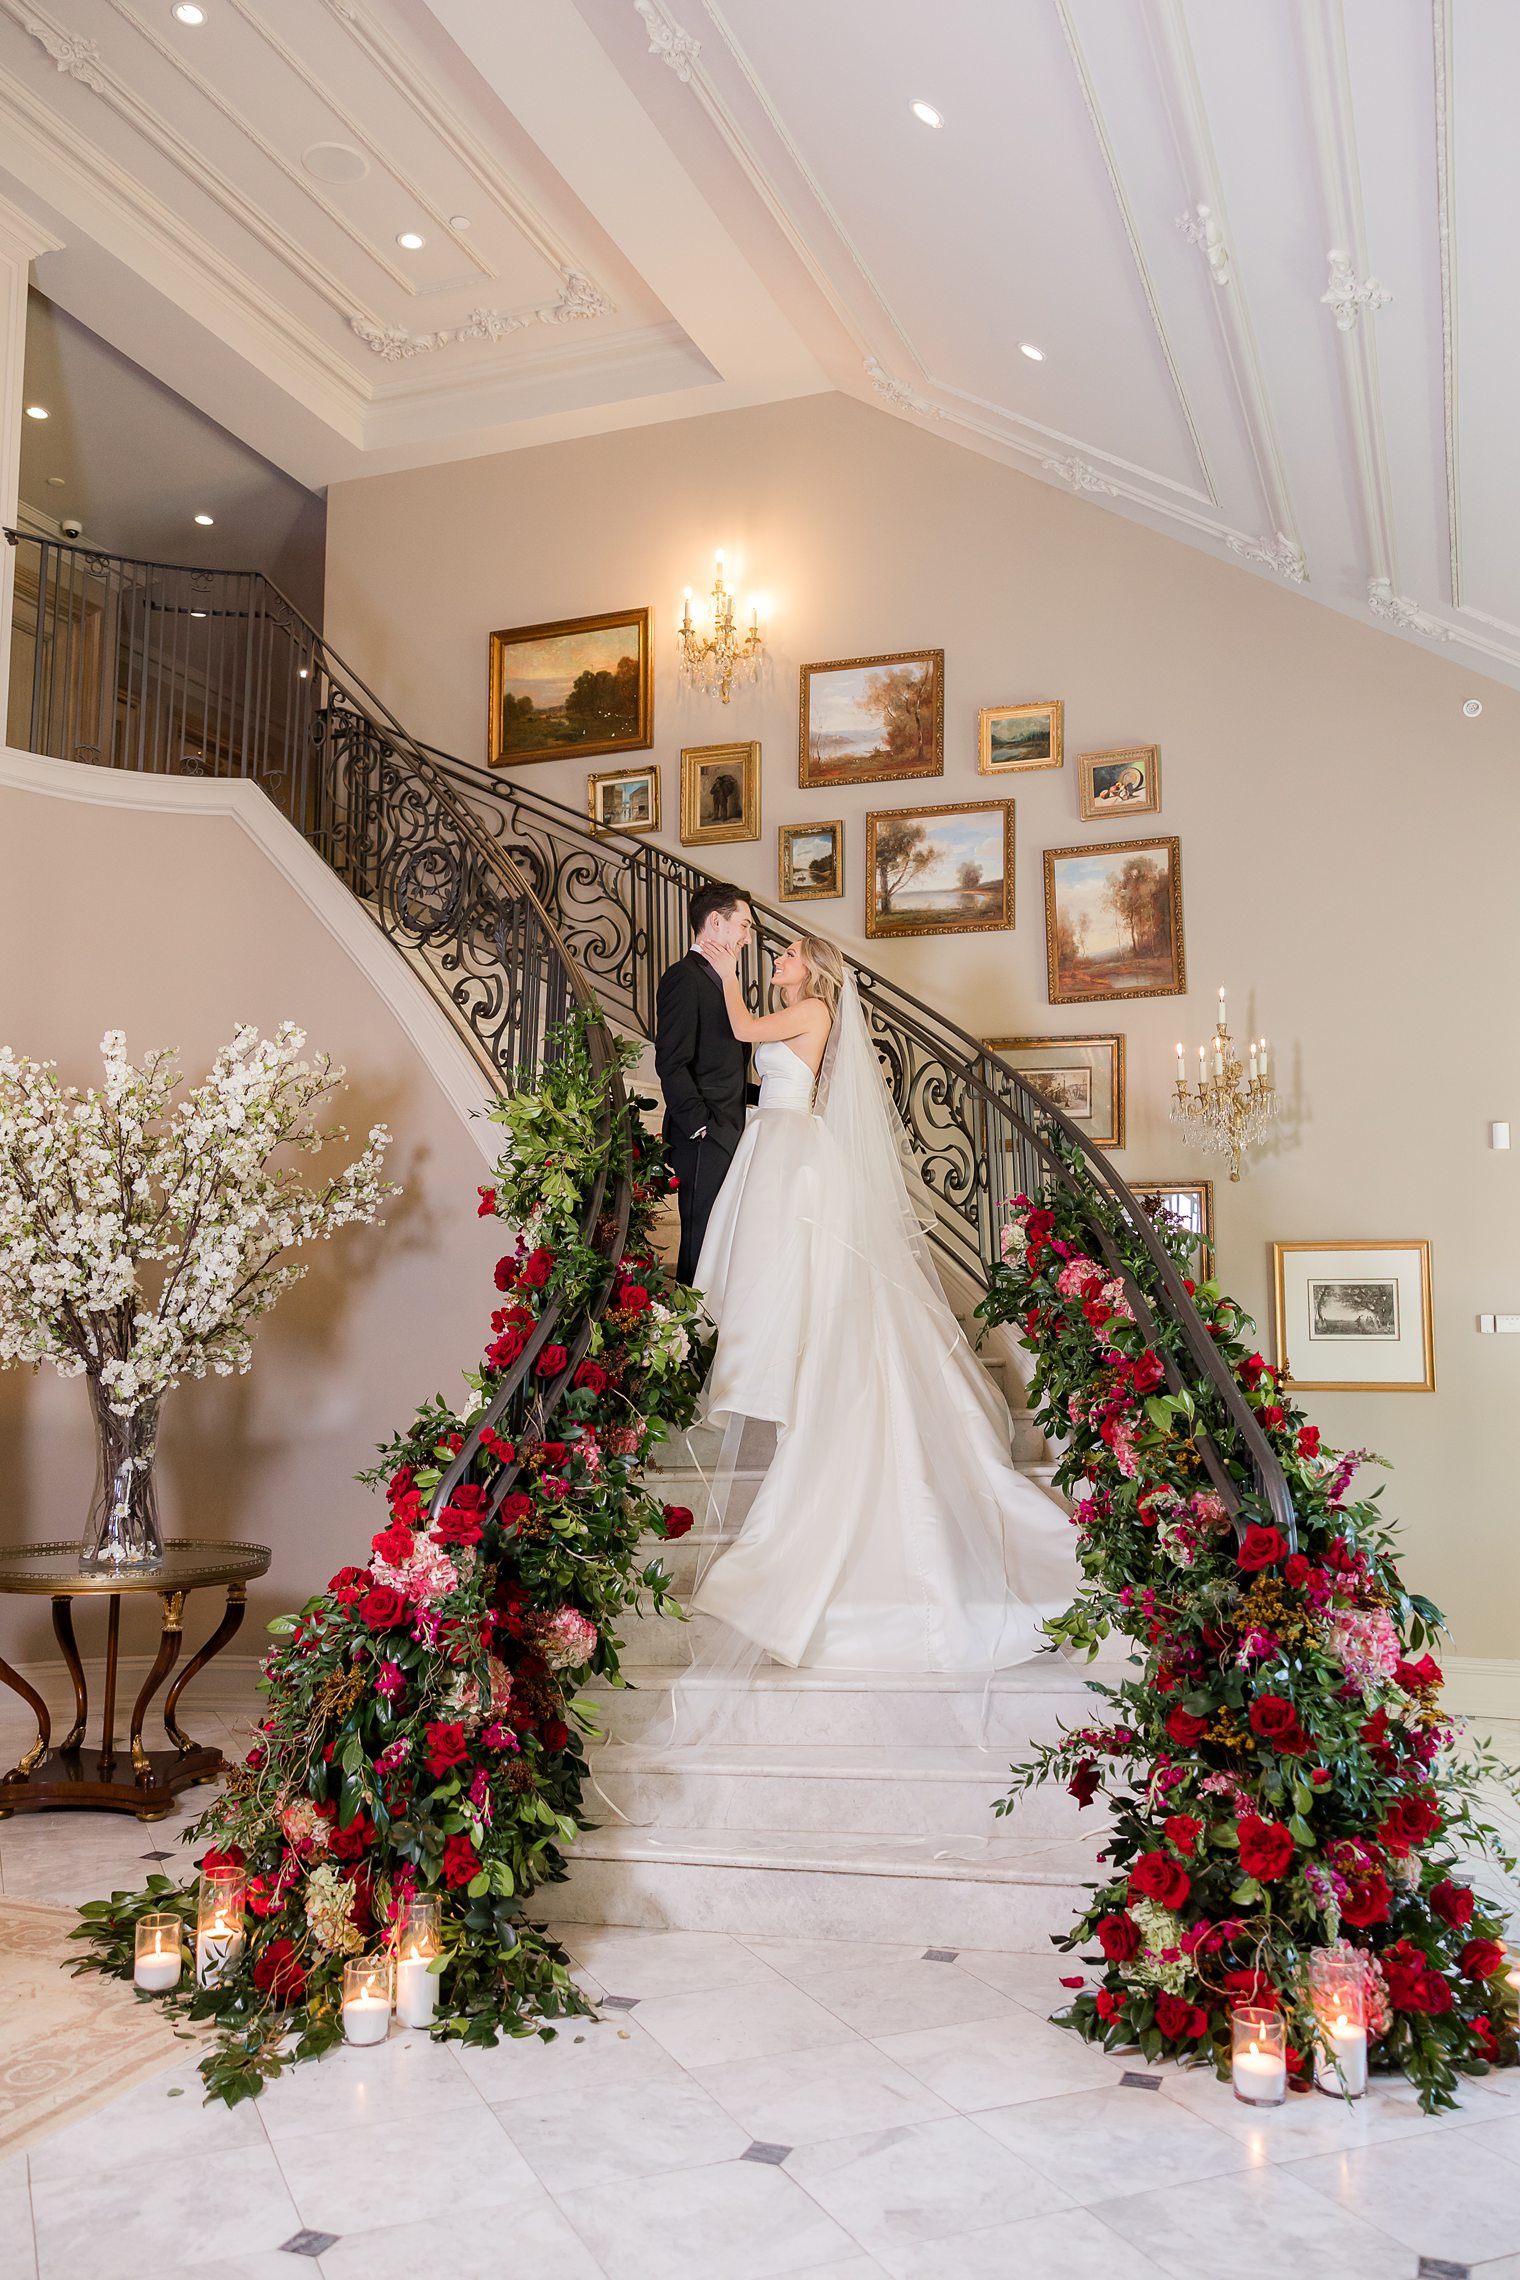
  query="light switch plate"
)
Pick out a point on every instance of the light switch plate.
point(1498, 1136)
point(1499, 1322)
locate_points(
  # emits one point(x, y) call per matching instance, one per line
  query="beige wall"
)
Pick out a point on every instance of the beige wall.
point(1347, 836)
point(174, 927)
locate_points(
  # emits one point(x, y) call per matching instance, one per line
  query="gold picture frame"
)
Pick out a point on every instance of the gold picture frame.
point(950, 902)
point(1369, 1306)
point(1070, 1059)
point(1102, 893)
point(714, 777)
point(611, 812)
point(1190, 1205)
point(1010, 739)
point(825, 870)
point(605, 700)
point(1123, 782)
point(897, 700)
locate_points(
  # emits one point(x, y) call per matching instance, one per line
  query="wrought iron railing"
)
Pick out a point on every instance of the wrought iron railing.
point(424, 838)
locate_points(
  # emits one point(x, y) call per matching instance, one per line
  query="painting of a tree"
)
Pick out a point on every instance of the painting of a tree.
point(940, 870)
point(1113, 921)
point(580, 685)
point(866, 719)
point(902, 851)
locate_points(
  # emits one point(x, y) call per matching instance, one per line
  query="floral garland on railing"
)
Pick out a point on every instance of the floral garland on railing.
point(423, 1733)
point(1280, 1773)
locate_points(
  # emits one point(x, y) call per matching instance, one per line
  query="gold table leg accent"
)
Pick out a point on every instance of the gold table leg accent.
point(228, 1628)
point(63, 1632)
point(169, 1642)
point(39, 1710)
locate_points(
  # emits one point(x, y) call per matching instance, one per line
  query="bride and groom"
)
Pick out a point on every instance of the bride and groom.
point(891, 1529)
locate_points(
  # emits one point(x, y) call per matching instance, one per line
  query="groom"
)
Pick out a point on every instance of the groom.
point(702, 1067)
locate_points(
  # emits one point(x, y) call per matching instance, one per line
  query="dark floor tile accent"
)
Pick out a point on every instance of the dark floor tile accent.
point(1131, 2081)
point(940, 1955)
point(772, 2155)
point(157, 1856)
point(308, 2243)
point(620, 2002)
point(1438, 2268)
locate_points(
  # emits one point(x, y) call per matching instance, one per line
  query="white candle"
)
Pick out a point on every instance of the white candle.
point(212, 1948)
point(1253, 1060)
point(1260, 2076)
point(366, 2018)
point(416, 1991)
point(158, 1970)
point(1221, 1005)
point(1341, 2066)
point(1218, 1058)
point(1262, 1051)
point(1181, 1067)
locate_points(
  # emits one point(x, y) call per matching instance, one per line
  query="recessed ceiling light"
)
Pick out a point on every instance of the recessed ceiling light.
point(459, 221)
point(1473, 707)
point(56, 482)
point(927, 114)
point(186, 12)
point(411, 241)
point(1035, 355)
point(205, 521)
point(36, 411)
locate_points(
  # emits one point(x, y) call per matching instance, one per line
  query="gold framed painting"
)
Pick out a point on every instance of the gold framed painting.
point(1188, 1207)
point(1113, 921)
point(809, 861)
point(1081, 1076)
point(1010, 738)
point(574, 685)
point(1126, 782)
point(1354, 1317)
point(720, 793)
point(871, 720)
point(624, 799)
point(939, 870)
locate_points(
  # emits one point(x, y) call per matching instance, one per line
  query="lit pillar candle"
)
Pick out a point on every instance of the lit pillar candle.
point(366, 2000)
point(1259, 2058)
point(416, 1981)
point(218, 1921)
point(156, 1962)
point(1340, 2066)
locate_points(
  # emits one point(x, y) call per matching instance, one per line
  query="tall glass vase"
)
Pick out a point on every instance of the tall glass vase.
point(123, 1530)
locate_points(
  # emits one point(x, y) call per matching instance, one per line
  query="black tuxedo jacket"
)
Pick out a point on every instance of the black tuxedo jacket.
point(702, 1067)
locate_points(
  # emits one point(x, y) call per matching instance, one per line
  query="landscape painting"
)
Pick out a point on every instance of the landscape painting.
point(1113, 921)
point(939, 870)
point(1012, 737)
point(1081, 1076)
point(1355, 1317)
point(868, 720)
point(809, 861)
point(579, 685)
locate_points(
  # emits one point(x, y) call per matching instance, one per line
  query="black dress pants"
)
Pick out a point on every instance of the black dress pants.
point(700, 1166)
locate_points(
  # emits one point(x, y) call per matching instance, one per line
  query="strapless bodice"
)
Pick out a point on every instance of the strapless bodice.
point(786, 1081)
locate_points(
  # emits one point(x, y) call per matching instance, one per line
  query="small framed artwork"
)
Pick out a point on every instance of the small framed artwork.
point(1113, 921)
point(624, 799)
point(573, 685)
point(939, 870)
point(1112, 784)
point(1354, 1317)
point(720, 793)
point(872, 720)
point(1081, 1076)
point(1188, 1207)
point(809, 861)
point(1012, 737)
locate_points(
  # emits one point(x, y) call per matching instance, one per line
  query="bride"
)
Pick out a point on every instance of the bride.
point(891, 1530)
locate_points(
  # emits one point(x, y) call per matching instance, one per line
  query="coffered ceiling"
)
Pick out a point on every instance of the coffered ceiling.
point(1264, 246)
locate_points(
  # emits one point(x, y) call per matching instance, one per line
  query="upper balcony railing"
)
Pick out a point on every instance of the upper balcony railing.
point(517, 907)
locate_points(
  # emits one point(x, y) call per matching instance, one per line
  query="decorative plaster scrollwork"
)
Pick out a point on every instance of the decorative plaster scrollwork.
point(676, 49)
point(1400, 610)
point(1201, 229)
point(897, 392)
point(1282, 554)
point(80, 58)
point(1079, 475)
point(1349, 299)
point(580, 297)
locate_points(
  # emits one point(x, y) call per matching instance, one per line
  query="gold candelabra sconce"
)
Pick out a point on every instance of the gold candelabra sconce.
point(1233, 1102)
point(717, 659)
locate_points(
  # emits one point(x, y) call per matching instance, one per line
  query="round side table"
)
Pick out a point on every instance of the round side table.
point(146, 1782)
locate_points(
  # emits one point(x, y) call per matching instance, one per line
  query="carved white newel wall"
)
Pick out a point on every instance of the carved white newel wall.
point(21, 240)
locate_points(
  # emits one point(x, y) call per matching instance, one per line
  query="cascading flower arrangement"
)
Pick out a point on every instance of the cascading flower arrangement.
point(142, 1237)
point(423, 1733)
point(1280, 1773)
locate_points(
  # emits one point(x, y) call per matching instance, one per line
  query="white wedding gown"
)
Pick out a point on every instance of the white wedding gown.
point(891, 1530)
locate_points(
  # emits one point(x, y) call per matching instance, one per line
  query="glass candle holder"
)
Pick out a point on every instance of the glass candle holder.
point(1259, 2057)
point(366, 1999)
point(1340, 2020)
point(218, 1920)
point(419, 1941)
point(156, 1960)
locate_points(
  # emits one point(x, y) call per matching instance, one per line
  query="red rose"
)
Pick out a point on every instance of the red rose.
point(592, 1377)
point(382, 1608)
point(456, 1525)
point(633, 1298)
point(1480, 1959)
point(514, 1510)
point(1184, 1728)
point(551, 1361)
point(1250, 1369)
point(503, 1351)
point(1148, 1372)
point(677, 1518)
point(1272, 1415)
point(1183, 1831)
point(469, 1496)
point(394, 1546)
point(348, 1585)
point(1274, 1720)
point(446, 1747)
point(1107, 2006)
point(1319, 1775)
point(1156, 1876)
point(1416, 1677)
point(1083, 1784)
point(554, 1733)
point(1118, 1937)
point(1366, 1899)
point(229, 1856)
point(461, 1861)
point(1298, 1570)
point(1250, 1991)
point(1266, 1848)
point(536, 1269)
point(280, 1972)
point(506, 1274)
point(351, 1844)
point(1179, 2021)
point(1261, 1548)
point(487, 1203)
point(1408, 1823)
point(1453, 1903)
point(1483, 2034)
point(1038, 1225)
point(1308, 1441)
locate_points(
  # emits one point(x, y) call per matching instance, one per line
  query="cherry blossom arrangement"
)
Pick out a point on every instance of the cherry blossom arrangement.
point(1280, 1773)
point(143, 1236)
point(423, 1734)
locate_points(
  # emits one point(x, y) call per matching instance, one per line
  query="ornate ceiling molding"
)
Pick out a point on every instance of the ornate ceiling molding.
point(676, 49)
point(1402, 611)
point(1281, 554)
point(395, 345)
point(1350, 300)
point(1079, 475)
point(79, 58)
point(1201, 228)
point(898, 394)
point(1446, 200)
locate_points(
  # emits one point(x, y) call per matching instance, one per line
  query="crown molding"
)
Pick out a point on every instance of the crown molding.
point(578, 299)
point(1078, 475)
point(676, 49)
point(1442, 28)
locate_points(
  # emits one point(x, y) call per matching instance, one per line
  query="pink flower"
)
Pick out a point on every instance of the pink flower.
point(394, 1755)
point(499, 1737)
point(390, 1680)
point(1364, 1642)
point(567, 1639)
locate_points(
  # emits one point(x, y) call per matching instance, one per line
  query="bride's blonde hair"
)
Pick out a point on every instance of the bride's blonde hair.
point(825, 971)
